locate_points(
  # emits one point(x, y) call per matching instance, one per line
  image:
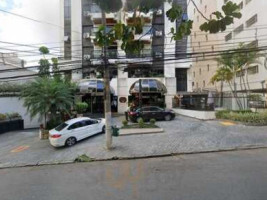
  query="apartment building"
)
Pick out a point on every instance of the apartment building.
point(250, 30)
point(201, 44)
point(161, 75)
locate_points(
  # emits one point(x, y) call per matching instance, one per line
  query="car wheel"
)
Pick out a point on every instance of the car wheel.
point(70, 141)
point(104, 129)
point(168, 118)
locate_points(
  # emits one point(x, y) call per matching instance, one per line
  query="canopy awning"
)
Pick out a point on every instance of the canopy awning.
point(93, 87)
point(148, 86)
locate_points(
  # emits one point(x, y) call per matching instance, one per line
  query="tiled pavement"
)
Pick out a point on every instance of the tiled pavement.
point(183, 135)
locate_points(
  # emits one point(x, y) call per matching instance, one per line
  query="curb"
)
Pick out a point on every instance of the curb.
point(40, 164)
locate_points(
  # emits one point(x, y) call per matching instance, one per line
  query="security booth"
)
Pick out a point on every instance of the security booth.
point(92, 92)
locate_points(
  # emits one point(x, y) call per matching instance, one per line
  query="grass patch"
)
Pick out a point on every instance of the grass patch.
point(247, 117)
point(137, 126)
point(83, 158)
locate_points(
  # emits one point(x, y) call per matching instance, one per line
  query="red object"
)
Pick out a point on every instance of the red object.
point(55, 136)
point(132, 113)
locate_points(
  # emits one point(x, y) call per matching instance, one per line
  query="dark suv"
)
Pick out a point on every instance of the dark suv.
point(151, 112)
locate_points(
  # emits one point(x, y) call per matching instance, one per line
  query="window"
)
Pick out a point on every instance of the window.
point(193, 84)
point(240, 6)
point(248, 1)
point(75, 125)
point(228, 37)
point(253, 70)
point(252, 20)
point(207, 37)
point(194, 74)
point(200, 71)
point(239, 29)
point(204, 84)
point(197, 85)
point(61, 127)
point(208, 66)
point(225, 1)
point(195, 34)
point(253, 44)
point(155, 109)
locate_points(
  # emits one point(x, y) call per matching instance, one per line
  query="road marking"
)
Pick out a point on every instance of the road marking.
point(228, 123)
point(20, 149)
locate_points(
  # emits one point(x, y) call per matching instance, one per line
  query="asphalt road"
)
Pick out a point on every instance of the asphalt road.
point(238, 175)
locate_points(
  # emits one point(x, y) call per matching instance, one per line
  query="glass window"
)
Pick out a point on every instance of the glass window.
point(75, 125)
point(61, 127)
point(146, 109)
point(155, 109)
point(153, 86)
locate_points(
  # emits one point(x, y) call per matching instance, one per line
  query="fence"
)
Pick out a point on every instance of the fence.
point(205, 103)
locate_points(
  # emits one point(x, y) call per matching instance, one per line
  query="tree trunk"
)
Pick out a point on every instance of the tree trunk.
point(107, 105)
point(221, 101)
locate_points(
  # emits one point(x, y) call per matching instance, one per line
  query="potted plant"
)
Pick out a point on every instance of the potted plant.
point(81, 108)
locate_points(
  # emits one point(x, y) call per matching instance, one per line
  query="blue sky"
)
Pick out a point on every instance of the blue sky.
point(10, 4)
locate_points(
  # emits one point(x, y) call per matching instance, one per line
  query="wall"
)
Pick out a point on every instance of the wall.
point(203, 115)
point(13, 104)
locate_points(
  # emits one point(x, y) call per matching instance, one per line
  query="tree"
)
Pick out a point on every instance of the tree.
point(130, 45)
point(237, 60)
point(47, 96)
point(222, 75)
point(44, 64)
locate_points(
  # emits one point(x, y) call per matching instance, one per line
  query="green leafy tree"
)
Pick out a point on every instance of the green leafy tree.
point(46, 97)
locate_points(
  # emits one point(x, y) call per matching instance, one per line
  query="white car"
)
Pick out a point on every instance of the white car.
point(69, 132)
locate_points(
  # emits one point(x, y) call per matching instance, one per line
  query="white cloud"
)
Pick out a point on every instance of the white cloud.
point(3, 3)
point(19, 30)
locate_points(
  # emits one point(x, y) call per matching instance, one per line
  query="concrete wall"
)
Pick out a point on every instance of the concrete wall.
point(203, 115)
point(13, 104)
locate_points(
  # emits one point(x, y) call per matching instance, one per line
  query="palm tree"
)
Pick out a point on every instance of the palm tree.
point(222, 75)
point(48, 96)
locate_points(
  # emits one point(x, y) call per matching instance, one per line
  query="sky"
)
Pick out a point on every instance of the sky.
point(19, 30)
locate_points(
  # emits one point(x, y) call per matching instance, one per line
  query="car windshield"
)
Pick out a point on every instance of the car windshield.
point(61, 127)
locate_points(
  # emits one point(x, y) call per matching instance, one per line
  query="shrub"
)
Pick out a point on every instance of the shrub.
point(152, 121)
point(141, 123)
point(53, 123)
point(125, 122)
point(3, 117)
point(244, 116)
point(13, 115)
point(81, 107)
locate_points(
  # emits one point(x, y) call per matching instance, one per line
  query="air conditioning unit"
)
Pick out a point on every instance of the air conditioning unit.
point(158, 33)
point(87, 57)
point(86, 35)
point(87, 14)
point(159, 12)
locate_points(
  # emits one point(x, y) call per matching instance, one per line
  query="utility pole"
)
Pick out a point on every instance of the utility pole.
point(107, 105)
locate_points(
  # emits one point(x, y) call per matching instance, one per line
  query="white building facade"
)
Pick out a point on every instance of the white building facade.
point(157, 65)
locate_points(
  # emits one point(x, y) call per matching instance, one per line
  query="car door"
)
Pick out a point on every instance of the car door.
point(95, 126)
point(76, 130)
point(145, 113)
point(156, 113)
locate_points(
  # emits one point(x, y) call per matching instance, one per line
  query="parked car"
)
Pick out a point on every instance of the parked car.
point(74, 130)
point(151, 112)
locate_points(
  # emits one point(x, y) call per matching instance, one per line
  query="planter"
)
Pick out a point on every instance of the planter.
point(43, 134)
point(12, 125)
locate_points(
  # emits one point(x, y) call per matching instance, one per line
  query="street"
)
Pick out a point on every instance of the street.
point(239, 175)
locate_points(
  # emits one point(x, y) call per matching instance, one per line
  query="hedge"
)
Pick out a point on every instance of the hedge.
point(247, 117)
